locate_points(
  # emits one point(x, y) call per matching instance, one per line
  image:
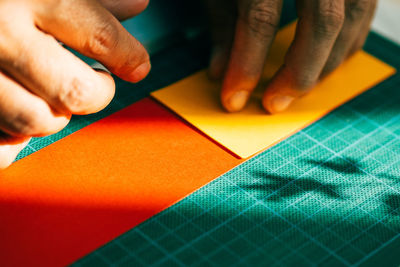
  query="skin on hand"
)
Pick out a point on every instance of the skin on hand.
point(327, 33)
point(9, 148)
point(42, 84)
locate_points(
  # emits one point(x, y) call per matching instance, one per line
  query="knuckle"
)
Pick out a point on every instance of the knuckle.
point(103, 40)
point(305, 84)
point(75, 95)
point(262, 18)
point(302, 80)
point(329, 21)
point(9, 46)
point(357, 9)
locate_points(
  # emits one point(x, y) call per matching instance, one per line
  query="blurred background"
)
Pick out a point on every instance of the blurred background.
point(164, 22)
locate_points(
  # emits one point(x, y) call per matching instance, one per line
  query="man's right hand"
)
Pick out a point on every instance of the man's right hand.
point(41, 83)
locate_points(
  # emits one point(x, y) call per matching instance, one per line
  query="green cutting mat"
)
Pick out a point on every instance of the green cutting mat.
point(328, 195)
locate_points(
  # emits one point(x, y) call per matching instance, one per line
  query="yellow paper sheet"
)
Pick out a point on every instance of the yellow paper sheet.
point(196, 99)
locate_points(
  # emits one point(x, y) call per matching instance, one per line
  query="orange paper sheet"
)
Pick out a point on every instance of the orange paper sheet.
point(68, 199)
point(196, 99)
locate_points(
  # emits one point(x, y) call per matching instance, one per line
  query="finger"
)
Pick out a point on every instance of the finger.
point(255, 30)
point(357, 12)
point(25, 114)
point(89, 28)
point(124, 9)
point(318, 27)
point(365, 28)
point(56, 75)
point(222, 16)
point(10, 148)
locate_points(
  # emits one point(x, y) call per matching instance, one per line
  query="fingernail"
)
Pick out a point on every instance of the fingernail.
point(238, 100)
point(280, 103)
point(140, 72)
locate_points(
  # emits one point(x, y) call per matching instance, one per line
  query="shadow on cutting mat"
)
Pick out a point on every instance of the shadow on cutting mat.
point(286, 186)
point(342, 181)
point(393, 203)
point(348, 166)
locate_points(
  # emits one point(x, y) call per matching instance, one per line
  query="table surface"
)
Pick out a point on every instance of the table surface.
point(387, 19)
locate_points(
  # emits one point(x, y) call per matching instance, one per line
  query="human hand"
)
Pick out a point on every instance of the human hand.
point(327, 33)
point(41, 83)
